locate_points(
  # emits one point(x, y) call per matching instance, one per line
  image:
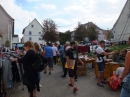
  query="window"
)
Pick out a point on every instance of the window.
point(30, 33)
point(39, 33)
point(40, 39)
point(32, 26)
point(30, 38)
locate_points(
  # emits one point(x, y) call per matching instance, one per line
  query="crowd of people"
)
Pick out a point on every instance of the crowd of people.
point(68, 55)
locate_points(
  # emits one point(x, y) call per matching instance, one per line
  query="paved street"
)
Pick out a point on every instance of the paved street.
point(54, 86)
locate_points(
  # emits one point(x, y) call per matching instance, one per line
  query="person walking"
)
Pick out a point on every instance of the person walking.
point(125, 91)
point(100, 62)
point(55, 53)
point(30, 74)
point(66, 47)
point(71, 57)
point(61, 50)
point(48, 52)
point(39, 51)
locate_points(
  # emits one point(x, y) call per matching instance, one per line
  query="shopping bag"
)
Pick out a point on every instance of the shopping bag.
point(72, 63)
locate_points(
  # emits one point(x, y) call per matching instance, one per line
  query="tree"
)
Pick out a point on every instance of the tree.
point(50, 33)
point(80, 33)
point(110, 35)
point(92, 33)
point(63, 37)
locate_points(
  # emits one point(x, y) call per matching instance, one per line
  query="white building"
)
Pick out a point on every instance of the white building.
point(101, 32)
point(6, 27)
point(121, 28)
point(15, 39)
point(33, 32)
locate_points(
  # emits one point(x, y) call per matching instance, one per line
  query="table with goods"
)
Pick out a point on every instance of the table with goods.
point(82, 70)
point(115, 61)
point(111, 62)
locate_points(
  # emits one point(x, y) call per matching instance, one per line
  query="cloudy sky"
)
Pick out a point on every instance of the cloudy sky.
point(66, 13)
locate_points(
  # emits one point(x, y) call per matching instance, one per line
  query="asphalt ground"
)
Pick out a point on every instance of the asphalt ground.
point(55, 86)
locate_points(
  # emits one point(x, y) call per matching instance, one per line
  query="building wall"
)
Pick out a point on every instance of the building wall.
point(122, 24)
point(101, 36)
point(15, 40)
point(35, 35)
point(5, 27)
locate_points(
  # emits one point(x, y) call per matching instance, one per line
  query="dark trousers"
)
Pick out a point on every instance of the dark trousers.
point(15, 72)
point(62, 61)
point(75, 70)
point(54, 60)
point(64, 69)
point(39, 76)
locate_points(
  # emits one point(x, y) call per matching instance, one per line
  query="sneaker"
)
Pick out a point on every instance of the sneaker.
point(62, 76)
point(49, 73)
point(40, 85)
point(45, 72)
point(70, 85)
point(75, 89)
point(103, 82)
point(76, 79)
point(100, 84)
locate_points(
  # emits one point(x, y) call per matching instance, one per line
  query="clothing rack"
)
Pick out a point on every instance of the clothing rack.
point(8, 55)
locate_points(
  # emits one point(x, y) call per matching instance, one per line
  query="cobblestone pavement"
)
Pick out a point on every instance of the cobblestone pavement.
point(54, 86)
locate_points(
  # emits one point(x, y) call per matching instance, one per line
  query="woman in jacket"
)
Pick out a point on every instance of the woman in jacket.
point(30, 75)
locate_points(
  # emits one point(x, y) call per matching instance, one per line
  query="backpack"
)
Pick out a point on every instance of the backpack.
point(113, 82)
point(39, 63)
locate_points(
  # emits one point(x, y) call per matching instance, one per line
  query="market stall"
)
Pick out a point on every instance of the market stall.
point(110, 67)
point(82, 70)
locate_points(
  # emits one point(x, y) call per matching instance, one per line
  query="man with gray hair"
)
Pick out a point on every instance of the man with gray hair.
point(66, 47)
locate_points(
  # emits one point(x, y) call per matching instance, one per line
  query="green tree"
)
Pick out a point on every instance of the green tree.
point(63, 37)
point(92, 33)
point(50, 33)
point(110, 35)
point(80, 33)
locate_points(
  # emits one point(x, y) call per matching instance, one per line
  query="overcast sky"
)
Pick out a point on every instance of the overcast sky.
point(66, 13)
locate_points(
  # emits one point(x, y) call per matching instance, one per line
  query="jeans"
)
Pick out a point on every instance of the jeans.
point(62, 60)
point(39, 76)
point(124, 93)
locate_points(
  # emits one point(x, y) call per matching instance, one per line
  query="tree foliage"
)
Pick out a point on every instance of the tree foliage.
point(92, 33)
point(50, 31)
point(63, 37)
point(110, 35)
point(80, 33)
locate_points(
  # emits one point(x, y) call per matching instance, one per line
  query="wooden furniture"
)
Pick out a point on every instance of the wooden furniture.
point(82, 70)
point(109, 68)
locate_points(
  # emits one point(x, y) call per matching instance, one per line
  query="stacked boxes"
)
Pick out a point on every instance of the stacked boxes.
point(81, 70)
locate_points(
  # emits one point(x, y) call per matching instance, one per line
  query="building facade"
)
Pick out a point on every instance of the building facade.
point(15, 39)
point(33, 32)
point(121, 28)
point(6, 27)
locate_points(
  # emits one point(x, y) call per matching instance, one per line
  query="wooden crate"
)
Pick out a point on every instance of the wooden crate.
point(81, 73)
point(81, 68)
